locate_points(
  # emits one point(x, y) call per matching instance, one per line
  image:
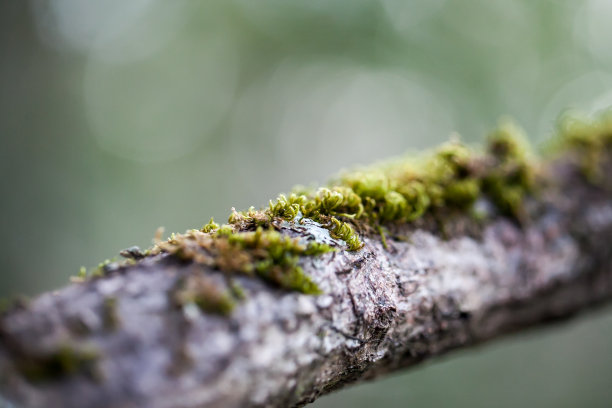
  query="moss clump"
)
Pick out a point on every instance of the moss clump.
point(211, 226)
point(587, 138)
point(264, 253)
point(453, 178)
point(274, 257)
point(511, 175)
point(102, 269)
point(245, 220)
point(64, 361)
point(286, 208)
point(220, 303)
point(204, 293)
point(343, 231)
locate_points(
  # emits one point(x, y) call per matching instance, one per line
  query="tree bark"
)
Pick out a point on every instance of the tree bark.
point(440, 284)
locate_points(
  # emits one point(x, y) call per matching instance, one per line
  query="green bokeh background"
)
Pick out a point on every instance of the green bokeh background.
point(117, 117)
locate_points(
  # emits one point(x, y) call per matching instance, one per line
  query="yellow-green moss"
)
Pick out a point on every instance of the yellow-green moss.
point(265, 253)
point(453, 178)
point(511, 175)
point(383, 238)
point(587, 138)
point(205, 294)
point(345, 232)
point(211, 226)
point(132, 256)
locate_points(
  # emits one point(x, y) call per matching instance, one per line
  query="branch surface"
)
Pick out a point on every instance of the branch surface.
point(434, 285)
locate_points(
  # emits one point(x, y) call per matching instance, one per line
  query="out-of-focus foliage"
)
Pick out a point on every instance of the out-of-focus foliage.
point(120, 116)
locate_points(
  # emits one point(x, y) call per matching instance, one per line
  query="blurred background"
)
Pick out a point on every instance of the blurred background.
point(117, 117)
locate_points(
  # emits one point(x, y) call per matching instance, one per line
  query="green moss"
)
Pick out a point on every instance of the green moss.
point(65, 361)
point(316, 248)
point(274, 257)
point(454, 178)
point(211, 226)
point(222, 303)
point(225, 230)
point(265, 253)
point(508, 142)
point(345, 232)
point(251, 218)
point(373, 183)
point(81, 276)
point(462, 193)
point(418, 198)
point(207, 295)
point(110, 265)
point(383, 238)
point(101, 269)
point(394, 206)
point(587, 138)
point(286, 208)
point(511, 175)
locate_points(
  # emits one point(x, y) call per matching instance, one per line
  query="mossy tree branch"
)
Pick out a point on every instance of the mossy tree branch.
point(238, 316)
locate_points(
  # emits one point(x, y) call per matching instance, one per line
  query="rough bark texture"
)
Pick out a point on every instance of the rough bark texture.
point(383, 310)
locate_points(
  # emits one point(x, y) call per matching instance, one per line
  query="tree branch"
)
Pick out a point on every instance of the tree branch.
point(122, 340)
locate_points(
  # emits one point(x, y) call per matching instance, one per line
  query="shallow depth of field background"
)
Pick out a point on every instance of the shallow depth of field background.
point(117, 117)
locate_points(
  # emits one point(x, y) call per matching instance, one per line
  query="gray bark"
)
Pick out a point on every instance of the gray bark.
point(382, 310)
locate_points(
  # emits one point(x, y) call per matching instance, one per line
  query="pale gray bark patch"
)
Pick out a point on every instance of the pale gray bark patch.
point(382, 310)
